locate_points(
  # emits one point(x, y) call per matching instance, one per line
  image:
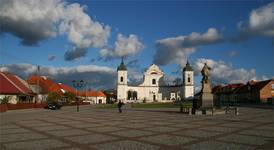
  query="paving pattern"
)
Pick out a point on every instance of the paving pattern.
point(134, 129)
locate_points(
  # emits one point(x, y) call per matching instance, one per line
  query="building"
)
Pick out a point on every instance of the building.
point(251, 92)
point(94, 97)
point(153, 88)
point(15, 88)
point(42, 86)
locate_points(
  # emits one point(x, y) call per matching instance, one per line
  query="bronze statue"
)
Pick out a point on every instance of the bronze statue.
point(205, 73)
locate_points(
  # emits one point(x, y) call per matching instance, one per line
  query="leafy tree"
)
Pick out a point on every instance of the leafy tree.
point(69, 97)
point(53, 97)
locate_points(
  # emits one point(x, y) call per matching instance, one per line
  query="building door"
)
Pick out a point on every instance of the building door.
point(100, 101)
point(154, 97)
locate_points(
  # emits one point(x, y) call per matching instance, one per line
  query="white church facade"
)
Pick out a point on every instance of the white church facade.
point(153, 88)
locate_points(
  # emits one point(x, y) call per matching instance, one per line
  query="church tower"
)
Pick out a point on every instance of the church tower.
point(122, 82)
point(188, 82)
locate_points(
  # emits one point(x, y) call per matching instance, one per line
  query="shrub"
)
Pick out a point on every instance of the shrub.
point(53, 97)
point(5, 100)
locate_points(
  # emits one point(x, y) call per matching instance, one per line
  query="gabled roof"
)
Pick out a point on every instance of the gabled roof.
point(92, 94)
point(47, 85)
point(41, 81)
point(12, 84)
point(254, 86)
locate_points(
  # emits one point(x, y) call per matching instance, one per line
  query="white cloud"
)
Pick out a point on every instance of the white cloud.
point(97, 76)
point(224, 73)
point(177, 49)
point(36, 20)
point(261, 23)
point(124, 46)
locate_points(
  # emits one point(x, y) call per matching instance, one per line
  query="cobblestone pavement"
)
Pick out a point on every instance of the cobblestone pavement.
point(136, 129)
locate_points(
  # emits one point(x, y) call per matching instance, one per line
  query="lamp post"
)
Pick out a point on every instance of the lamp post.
point(77, 85)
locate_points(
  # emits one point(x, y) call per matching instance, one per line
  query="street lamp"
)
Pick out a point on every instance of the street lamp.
point(78, 85)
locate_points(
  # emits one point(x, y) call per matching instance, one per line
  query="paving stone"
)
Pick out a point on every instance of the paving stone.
point(20, 137)
point(219, 129)
point(162, 129)
point(213, 145)
point(104, 129)
point(49, 128)
point(263, 133)
point(67, 132)
point(36, 124)
point(186, 125)
point(132, 133)
point(36, 145)
point(8, 126)
point(14, 130)
point(135, 125)
point(245, 139)
point(266, 127)
point(126, 145)
point(93, 138)
point(197, 133)
point(170, 140)
point(71, 148)
point(238, 125)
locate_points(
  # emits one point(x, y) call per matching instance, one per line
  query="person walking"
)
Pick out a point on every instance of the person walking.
point(120, 104)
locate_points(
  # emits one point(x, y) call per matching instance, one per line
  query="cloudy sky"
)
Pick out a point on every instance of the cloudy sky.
point(73, 39)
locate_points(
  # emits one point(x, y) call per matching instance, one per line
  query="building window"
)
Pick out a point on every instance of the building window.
point(153, 81)
point(188, 79)
point(121, 79)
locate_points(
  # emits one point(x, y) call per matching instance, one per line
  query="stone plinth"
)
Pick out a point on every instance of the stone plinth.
point(206, 98)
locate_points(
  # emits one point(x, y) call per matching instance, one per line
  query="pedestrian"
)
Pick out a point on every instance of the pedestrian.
point(120, 104)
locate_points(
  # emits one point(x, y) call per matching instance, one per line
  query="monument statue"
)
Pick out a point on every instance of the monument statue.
point(206, 97)
point(205, 73)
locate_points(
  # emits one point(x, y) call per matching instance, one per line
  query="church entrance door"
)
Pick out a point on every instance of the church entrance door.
point(154, 97)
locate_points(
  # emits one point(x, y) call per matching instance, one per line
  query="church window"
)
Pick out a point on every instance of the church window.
point(188, 79)
point(153, 81)
point(121, 79)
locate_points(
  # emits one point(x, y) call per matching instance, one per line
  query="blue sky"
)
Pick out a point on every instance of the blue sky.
point(151, 21)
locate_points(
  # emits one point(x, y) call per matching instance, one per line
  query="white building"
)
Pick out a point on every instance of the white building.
point(153, 88)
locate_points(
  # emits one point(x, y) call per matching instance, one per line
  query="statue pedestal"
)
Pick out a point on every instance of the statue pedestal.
point(206, 97)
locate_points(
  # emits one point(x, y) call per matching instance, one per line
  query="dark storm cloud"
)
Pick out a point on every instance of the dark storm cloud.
point(75, 54)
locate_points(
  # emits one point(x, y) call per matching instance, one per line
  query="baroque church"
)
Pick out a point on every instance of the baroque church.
point(153, 88)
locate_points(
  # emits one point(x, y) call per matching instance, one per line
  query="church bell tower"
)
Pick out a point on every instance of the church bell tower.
point(122, 81)
point(188, 82)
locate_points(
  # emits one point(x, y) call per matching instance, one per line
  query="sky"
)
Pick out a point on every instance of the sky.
point(74, 40)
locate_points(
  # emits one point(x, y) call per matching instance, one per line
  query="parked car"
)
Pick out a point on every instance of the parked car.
point(53, 106)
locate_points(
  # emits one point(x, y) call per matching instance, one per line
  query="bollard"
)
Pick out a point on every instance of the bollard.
point(189, 111)
point(236, 111)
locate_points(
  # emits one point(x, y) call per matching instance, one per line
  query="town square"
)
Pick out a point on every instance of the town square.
point(136, 75)
point(140, 129)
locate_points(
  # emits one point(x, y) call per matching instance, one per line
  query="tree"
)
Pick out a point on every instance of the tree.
point(53, 97)
point(69, 97)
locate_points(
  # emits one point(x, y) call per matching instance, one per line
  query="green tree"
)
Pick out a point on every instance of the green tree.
point(69, 97)
point(53, 97)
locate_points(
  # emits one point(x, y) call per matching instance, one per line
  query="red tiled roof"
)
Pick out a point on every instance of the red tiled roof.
point(44, 82)
point(253, 86)
point(47, 85)
point(12, 84)
point(227, 89)
point(92, 93)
